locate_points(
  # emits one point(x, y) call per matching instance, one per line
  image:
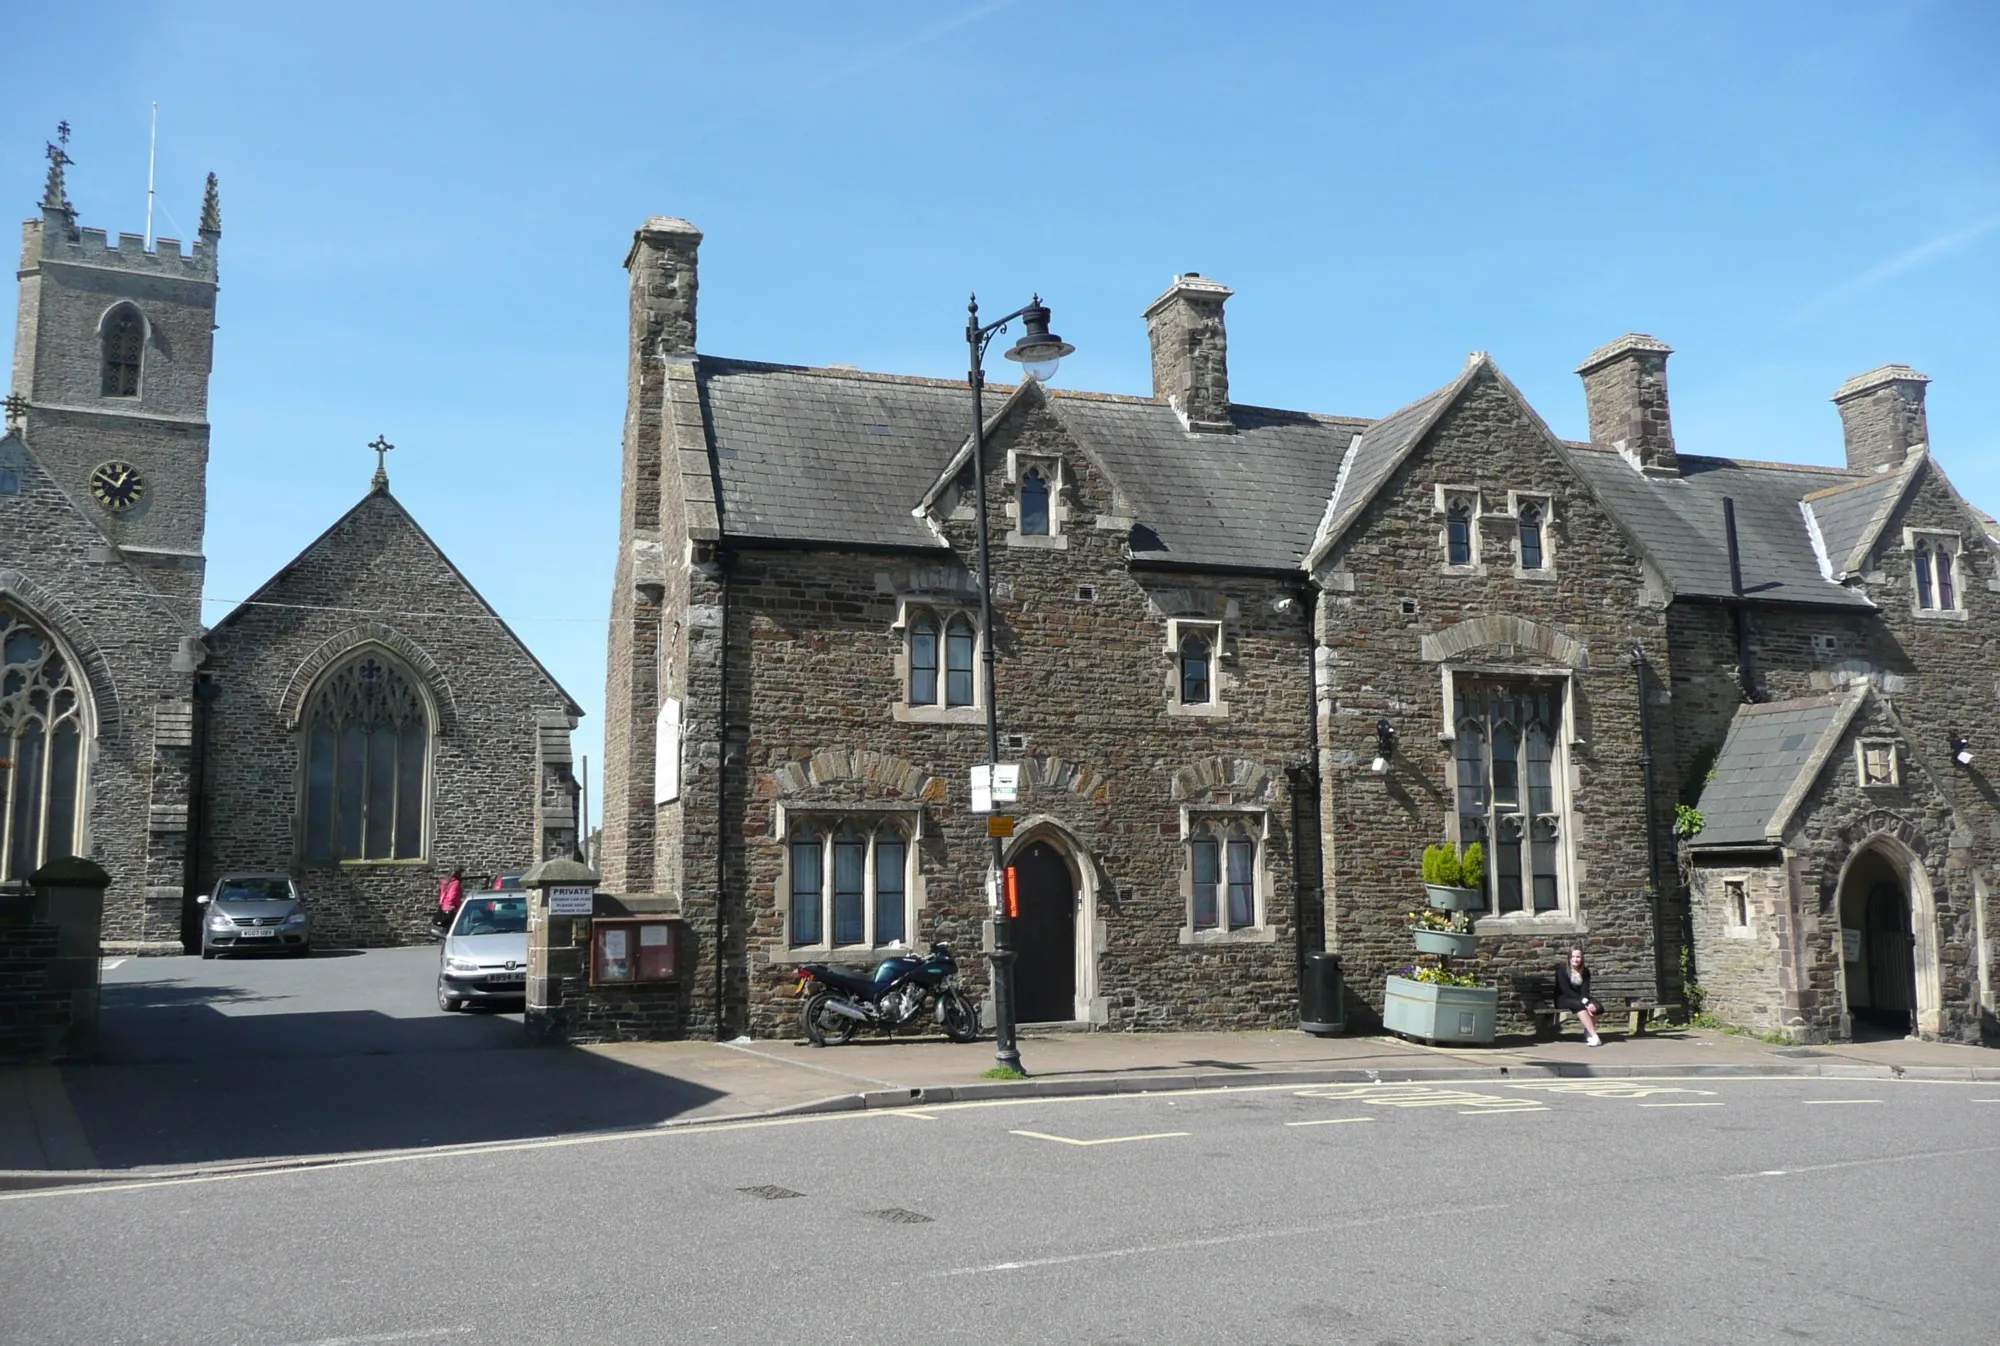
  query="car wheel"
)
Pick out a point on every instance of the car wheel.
point(450, 1004)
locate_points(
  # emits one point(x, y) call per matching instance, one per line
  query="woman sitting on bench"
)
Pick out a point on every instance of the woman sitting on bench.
point(1573, 994)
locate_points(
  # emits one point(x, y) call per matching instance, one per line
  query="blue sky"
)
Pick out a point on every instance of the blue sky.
point(426, 207)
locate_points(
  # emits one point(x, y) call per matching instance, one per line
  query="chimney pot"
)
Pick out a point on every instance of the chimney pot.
point(1191, 351)
point(1625, 386)
point(1882, 416)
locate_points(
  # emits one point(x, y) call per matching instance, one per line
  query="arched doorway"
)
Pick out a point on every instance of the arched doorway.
point(1883, 914)
point(1044, 935)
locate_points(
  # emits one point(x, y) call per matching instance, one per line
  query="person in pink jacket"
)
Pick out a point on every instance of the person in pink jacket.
point(450, 893)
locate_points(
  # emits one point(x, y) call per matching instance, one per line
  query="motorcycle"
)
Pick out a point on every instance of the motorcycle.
point(895, 995)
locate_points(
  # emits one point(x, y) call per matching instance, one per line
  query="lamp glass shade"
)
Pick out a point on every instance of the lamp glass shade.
point(1041, 371)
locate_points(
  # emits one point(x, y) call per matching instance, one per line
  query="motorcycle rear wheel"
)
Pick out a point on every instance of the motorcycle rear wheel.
point(824, 1025)
point(961, 1018)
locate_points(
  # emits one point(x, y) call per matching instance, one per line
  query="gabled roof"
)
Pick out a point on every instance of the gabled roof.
point(1850, 517)
point(844, 458)
point(383, 499)
point(1370, 460)
point(1677, 524)
point(1772, 756)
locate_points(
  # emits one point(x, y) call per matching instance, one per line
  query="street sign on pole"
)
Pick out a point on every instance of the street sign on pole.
point(1007, 783)
point(982, 790)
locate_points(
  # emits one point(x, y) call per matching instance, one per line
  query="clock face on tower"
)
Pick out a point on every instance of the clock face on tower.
point(117, 486)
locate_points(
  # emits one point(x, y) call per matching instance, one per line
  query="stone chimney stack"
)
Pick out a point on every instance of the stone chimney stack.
point(1625, 386)
point(1882, 414)
point(662, 263)
point(1191, 352)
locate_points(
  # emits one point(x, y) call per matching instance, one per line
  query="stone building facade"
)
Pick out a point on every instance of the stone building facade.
point(169, 754)
point(1252, 661)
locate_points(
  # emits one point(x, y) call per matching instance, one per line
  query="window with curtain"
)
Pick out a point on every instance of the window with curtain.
point(849, 883)
point(1034, 494)
point(367, 747)
point(1222, 870)
point(124, 348)
point(42, 760)
point(1507, 753)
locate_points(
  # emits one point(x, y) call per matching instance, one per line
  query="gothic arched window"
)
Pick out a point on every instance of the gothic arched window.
point(124, 345)
point(958, 643)
point(1197, 687)
point(367, 740)
point(1531, 537)
point(924, 661)
point(41, 748)
point(1222, 860)
point(1035, 504)
point(1458, 531)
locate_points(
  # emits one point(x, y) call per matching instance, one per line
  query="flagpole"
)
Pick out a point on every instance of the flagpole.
point(152, 153)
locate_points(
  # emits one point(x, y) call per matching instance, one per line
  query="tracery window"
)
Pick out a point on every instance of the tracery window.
point(124, 346)
point(849, 883)
point(367, 745)
point(1222, 864)
point(1936, 562)
point(958, 643)
point(1530, 521)
point(1508, 751)
point(1458, 531)
point(1197, 655)
point(1035, 504)
point(41, 749)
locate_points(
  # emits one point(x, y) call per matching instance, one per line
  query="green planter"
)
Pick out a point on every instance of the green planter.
point(1439, 1013)
point(1456, 899)
point(1450, 943)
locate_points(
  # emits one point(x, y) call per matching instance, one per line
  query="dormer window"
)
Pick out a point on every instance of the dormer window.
point(1034, 504)
point(1197, 655)
point(124, 345)
point(1934, 558)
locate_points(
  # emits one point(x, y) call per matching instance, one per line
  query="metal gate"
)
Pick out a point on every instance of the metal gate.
point(1892, 959)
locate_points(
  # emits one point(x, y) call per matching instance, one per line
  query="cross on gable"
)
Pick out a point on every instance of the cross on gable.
point(383, 448)
point(16, 408)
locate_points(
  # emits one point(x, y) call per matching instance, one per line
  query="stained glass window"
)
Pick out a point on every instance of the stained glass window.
point(367, 741)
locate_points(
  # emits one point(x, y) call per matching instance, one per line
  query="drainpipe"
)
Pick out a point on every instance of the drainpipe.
point(1745, 673)
point(1638, 656)
point(1305, 798)
point(721, 787)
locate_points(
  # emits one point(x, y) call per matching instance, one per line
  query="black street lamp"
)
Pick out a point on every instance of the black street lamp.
point(1039, 352)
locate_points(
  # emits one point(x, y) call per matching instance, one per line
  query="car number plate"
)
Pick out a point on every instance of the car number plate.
point(256, 934)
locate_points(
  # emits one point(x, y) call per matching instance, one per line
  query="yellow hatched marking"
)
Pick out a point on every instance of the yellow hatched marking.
point(1108, 1140)
point(1422, 1096)
point(1608, 1088)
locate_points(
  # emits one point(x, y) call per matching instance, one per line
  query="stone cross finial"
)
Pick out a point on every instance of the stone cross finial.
point(382, 449)
point(55, 195)
point(211, 208)
point(17, 408)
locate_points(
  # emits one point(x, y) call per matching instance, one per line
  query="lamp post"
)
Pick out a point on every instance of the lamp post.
point(1039, 352)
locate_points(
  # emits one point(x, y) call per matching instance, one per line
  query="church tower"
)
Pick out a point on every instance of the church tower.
point(112, 354)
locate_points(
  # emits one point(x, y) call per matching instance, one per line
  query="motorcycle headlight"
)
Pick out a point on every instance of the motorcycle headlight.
point(461, 965)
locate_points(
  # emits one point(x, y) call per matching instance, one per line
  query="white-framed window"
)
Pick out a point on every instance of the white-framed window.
point(1876, 763)
point(1460, 506)
point(1223, 873)
point(1532, 516)
point(1934, 557)
point(1037, 508)
point(848, 881)
point(1509, 744)
point(938, 666)
point(1194, 680)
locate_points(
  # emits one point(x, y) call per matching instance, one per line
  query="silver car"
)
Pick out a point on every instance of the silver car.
point(255, 912)
point(485, 953)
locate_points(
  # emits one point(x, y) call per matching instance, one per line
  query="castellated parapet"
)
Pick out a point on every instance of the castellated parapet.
point(50, 239)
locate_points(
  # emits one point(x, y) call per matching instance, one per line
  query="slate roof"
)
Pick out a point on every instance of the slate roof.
point(1383, 446)
point(1247, 499)
point(1677, 523)
point(1769, 748)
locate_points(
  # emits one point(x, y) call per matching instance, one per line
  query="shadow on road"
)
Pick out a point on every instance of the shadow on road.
point(183, 1080)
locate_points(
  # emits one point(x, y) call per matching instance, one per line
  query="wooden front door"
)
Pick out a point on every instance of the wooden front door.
point(1045, 937)
point(1892, 961)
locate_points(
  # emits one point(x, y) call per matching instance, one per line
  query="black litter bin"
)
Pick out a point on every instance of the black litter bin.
point(1322, 1003)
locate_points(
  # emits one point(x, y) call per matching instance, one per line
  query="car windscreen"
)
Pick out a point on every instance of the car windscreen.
point(492, 916)
point(254, 890)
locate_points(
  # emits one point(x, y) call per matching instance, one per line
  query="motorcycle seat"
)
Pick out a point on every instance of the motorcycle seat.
point(842, 981)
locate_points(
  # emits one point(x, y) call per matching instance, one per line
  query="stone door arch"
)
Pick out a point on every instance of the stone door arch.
point(1889, 942)
point(1055, 933)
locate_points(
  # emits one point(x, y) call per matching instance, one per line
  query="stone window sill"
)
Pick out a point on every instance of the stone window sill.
point(1039, 541)
point(844, 956)
point(1215, 710)
point(1546, 575)
point(1517, 923)
point(1942, 614)
point(1475, 571)
point(1249, 934)
point(938, 714)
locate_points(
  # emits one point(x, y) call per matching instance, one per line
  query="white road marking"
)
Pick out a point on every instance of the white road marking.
point(810, 1065)
point(1421, 1096)
point(1108, 1140)
point(1331, 1121)
point(1220, 1240)
point(1829, 1102)
point(1861, 1163)
point(1608, 1088)
point(1504, 1112)
point(111, 963)
point(914, 1115)
point(414, 1334)
point(1680, 1105)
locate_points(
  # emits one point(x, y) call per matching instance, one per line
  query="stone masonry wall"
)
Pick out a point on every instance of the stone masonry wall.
point(1739, 964)
point(1388, 590)
point(55, 566)
point(374, 578)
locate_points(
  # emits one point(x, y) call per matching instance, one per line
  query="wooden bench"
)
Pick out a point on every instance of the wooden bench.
point(1635, 997)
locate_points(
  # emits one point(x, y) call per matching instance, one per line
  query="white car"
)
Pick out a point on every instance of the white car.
point(485, 953)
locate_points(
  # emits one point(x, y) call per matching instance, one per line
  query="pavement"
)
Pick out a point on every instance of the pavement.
point(257, 1063)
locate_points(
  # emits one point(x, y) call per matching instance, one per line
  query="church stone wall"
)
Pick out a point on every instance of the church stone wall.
point(1377, 826)
point(374, 577)
point(1740, 965)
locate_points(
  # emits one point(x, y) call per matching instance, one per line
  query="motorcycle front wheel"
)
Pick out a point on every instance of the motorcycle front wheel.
point(961, 1017)
point(824, 1025)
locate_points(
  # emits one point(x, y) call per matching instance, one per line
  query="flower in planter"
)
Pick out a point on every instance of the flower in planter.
point(1450, 922)
point(1438, 976)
